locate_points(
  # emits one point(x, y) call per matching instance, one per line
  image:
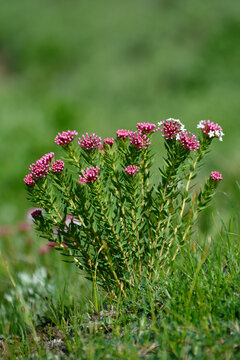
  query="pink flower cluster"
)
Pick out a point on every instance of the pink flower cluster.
point(174, 129)
point(146, 128)
point(46, 159)
point(138, 138)
point(108, 141)
point(170, 128)
point(141, 141)
point(189, 141)
point(216, 176)
point(210, 129)
point(122, 133)
point(131, 169)
point(40, 169)
point(29, 180)
point(89, 175)
point(57, 166)
point(64, 138)
point(90, 142)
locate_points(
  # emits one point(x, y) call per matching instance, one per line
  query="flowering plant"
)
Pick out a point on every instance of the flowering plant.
point(123, 227)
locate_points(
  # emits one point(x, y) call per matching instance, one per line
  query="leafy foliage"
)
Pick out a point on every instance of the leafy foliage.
point(123, 228)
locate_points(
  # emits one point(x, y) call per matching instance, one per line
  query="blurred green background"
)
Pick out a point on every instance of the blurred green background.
point(98, 66)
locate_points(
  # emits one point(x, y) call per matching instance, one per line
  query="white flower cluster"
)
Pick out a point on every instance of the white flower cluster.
point(210, 129)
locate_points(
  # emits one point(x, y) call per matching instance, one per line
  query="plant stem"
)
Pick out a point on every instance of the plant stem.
point(113, 231)
point(145, 191)
point(71, 154)
point(188, 183)
point(118, 190)
point(171, 171)
point(72, 235)
point(134, 216)
point(105, 255)
point(72, 204)
point(190, 176)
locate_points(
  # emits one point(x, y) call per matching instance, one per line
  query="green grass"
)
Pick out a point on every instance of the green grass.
point(191, 313)
point(98, 66)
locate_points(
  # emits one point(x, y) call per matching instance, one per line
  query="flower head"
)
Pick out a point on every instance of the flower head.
point(29, 180)
point(131, 169)
point(64, 138)
point(188, 141)
point(39, 169)
point(210, 129)
point(146, 128)
point(139, 140)
point(89, 142)
point(122, 133)
point(170, 128)
point(216, 176)
point(46, 159)
point(108, 141)
point(29, 212)
point(57, 166)
point(89, 175)
point(36, 213)
point(82, 180)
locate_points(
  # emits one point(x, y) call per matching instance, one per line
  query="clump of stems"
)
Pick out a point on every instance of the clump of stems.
point(123, 227)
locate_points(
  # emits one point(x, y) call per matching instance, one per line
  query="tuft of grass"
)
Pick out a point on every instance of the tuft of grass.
point(192, 312)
